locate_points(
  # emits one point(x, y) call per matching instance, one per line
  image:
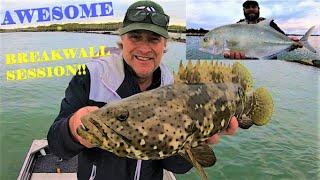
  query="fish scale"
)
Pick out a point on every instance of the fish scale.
point(179, 118)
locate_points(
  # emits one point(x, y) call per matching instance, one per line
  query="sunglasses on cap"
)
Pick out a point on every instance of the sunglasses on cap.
point(140, 15)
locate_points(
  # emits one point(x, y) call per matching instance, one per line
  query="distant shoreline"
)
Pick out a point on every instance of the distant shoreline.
point(101, 28)
point(79, 27)
point(175, 39)
point(202, 34)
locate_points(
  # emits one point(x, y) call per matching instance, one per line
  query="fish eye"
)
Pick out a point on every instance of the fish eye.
point(205, 39)
point(123, 115)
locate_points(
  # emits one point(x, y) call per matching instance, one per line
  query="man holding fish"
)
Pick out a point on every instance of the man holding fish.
point(251, 11)
point(134, 69)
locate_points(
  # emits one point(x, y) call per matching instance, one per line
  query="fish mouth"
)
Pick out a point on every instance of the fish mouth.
point(128, 141)
point(100, 127)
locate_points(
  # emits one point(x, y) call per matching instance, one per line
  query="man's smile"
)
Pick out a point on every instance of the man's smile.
point(143, 58)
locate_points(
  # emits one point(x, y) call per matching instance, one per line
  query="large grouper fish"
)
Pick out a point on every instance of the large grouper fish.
point(255, 40)
point(179, 118)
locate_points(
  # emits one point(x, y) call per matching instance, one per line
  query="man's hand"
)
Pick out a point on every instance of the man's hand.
point(75, 122)
point(297, 43)
point(234, 55)
point(231, 130)
point(293, 38)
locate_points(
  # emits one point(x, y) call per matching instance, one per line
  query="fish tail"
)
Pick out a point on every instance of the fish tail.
point(304, 40)
point(262, 107)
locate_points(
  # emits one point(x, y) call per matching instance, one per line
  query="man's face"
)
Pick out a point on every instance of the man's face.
point(251, 12)
point(143, 51)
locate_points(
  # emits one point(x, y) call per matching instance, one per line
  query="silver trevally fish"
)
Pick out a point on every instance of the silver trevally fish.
point(255, 40)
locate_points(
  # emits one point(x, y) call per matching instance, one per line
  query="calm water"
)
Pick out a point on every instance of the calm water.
point(287, 148)
point(193, 46)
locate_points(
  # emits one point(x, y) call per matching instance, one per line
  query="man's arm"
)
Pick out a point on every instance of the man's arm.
point(60, 140)
point(276, 27)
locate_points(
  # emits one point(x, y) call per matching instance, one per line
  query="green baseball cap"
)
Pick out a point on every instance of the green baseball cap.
point(145, 15)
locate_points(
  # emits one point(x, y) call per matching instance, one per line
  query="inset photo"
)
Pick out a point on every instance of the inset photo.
point(238, 29)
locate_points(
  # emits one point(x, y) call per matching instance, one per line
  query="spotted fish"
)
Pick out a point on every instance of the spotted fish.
point(179, 118)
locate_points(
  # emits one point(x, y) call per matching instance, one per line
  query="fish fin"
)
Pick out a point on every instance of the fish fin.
point(225, 46)
point(214, 72)
point(196, 164)
point(267, 42)
point(306, 36)
point(275, 55)
point(262, 108)
point(304, 40)
point(243, 76)
point(272, 56)
point(250, 58)
point(188, 74)
point(203, 154)
point(229, 44)
point(245, 122)
point(180, 74)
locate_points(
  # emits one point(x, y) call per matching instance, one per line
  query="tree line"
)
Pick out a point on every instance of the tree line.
point(70, 27)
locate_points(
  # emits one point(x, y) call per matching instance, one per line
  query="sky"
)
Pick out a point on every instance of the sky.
point(175, 9)
point(292, 16)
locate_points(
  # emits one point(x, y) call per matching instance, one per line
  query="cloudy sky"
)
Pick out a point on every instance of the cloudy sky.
point(293, 16)
point(175, 9)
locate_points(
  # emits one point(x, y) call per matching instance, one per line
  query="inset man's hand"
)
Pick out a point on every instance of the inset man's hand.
point(234, 55)
point(231, 130)
point(75, 122)
point(296, 44)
